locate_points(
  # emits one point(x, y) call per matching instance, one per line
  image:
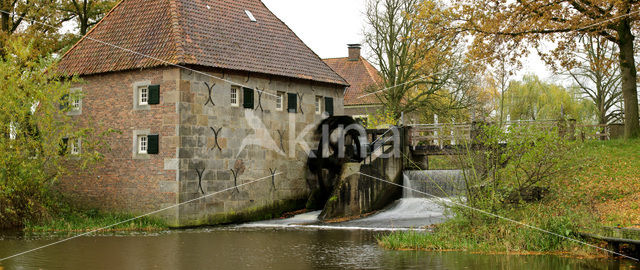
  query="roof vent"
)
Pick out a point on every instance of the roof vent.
point(250, 15)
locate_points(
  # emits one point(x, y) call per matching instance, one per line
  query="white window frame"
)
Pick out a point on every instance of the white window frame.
point(318, 103)
point(143, 95)
point(75, 104)
point(76, 147)
point(280, 101)
point(234, 96)
point(143, 144)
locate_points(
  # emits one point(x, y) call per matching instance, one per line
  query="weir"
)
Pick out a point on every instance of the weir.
point(440, 183)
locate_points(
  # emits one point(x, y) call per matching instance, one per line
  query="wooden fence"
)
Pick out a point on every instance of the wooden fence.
point(457, 134)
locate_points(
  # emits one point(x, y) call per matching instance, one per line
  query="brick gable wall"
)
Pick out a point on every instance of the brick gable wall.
point(121, 183)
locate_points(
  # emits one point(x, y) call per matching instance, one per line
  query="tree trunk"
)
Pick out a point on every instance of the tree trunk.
point(5, 23)
point(84, 25)
point(629, 75)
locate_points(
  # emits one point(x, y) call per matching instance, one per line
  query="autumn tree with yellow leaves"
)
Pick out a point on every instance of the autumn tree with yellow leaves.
point(423, 66)
point(500, 27)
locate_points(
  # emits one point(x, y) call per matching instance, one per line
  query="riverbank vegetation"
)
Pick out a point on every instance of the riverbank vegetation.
point(39, 141)
point(596, 187)
point(90, 220)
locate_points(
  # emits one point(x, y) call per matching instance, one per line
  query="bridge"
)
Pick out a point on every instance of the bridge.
point(426, 140)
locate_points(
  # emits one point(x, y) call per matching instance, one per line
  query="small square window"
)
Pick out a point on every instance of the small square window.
point(143, 144)
point(75, 147)
point(280, 101)
point(143, 95)
point(235, 99)
point(75, 104)
point(318, 105)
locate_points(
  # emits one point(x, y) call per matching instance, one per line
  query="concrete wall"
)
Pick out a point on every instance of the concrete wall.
point(238, 125)
point(357, 194)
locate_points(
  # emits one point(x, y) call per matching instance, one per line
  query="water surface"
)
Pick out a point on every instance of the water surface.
point(262, 248)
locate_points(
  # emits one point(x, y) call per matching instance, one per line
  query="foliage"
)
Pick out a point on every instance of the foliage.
point(597, 188)
point(32, 154)
point(382, 119)
point(514, 27)
point(494, 235)
point(533, 99)
point(41, 21)
point(509, 166)
point(86, 13)
point(421, 65)
point(37, 20)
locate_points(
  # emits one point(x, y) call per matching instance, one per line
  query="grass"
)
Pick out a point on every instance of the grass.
point(442, 163)
point(83, 221)
point(600, 188)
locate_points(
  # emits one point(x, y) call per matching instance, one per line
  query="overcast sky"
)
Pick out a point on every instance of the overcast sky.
point(327, 27)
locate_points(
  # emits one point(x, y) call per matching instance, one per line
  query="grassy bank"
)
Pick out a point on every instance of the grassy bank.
point(598, 188)
point(83, 221)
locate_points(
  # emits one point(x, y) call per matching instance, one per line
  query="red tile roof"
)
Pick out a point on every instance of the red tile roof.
point(213, 33)
point(361, 75)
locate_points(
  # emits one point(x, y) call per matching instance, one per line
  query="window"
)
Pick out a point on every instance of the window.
point(279, 101)
point(75, 147)
point(247, 96)
point(12, 131)
point(318, 105)
point(75, 104)
point(143, 144)
point(328, 105)
point(292, 102)
point(235, 100)
point(143, 98)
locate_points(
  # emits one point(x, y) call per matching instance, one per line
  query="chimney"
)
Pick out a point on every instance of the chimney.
point(354, 52)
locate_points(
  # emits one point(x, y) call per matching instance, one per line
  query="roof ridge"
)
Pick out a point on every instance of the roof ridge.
point(367, 66)
point(334, 58)
point(90, 31)
point(178, 42)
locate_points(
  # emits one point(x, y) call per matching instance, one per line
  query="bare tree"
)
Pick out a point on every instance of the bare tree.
point(597, 74)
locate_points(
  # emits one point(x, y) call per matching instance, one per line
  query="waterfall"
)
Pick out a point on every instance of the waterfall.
point(439, 183)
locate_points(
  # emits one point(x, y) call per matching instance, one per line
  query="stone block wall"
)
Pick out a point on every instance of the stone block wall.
point(251, 142)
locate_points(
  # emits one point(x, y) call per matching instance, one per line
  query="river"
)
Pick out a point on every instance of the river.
point(276, 244)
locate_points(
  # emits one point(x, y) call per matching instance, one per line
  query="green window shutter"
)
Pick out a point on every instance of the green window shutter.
point(248, 98)
point(64, 102)
point(63, 146)
point(153, 144)
point(328, 105)
point(154, 94)
point(292, 102)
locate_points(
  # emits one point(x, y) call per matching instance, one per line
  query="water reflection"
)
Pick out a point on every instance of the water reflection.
point(259, 248)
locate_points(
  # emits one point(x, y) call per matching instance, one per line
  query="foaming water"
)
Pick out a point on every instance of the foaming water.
point(413, 211)
point(404, 214)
